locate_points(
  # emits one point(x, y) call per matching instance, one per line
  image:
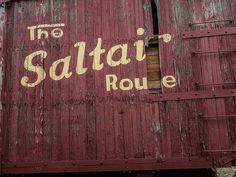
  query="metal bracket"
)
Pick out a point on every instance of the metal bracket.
point(209, 22)
point(209, 33)
point(213, 85)
point(213, 52)
point(223, 93)
point(219, 150)
point(217, 117)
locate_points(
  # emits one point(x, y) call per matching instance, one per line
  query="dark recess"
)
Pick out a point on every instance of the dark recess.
point(154, 17)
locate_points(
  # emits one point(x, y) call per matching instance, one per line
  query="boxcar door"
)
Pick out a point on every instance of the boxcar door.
point(202, 58)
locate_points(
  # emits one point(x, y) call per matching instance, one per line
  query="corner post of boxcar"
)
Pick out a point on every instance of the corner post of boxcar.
point(2, 30)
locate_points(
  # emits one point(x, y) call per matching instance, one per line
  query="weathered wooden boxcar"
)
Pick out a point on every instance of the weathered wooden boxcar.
point(117, 85)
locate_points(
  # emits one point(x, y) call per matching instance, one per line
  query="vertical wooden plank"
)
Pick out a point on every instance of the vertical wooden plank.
point(81, 13)
point(226, 62)
point(124, 73)
point(109, 106)
point(181, 51)
point(141, 72)
point(6, 84)
point(165, 26)
point(49, 90)
point(167, 16)
point(65, 83)
point(193, 129)
point(149, 131)
point(165, 124)
point(117, 101)
point(99, 85)
point(90, 83)
point(73, 123)
point(157, 132)
point(232, 40)
point(55, 52)
point(131, 75)
point(13, 102)
point(2, 36)
point(141, 14)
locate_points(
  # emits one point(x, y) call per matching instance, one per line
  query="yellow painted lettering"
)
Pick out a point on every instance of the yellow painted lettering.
point(138, 85)
point(166, 37)
point(57, 33)
point(111, 80)
point(128, 86)
point(96, 53)
point(123, 60)
point(41, 75)
point(80, 58)
point(140, 46)
point(32, 30)
point(65, 71)
point(41, 33)
point(169, 81)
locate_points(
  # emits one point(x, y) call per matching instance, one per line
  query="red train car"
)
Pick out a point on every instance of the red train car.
point(117, 85)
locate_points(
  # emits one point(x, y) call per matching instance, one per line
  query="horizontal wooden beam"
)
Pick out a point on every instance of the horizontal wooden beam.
point(106, 165)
